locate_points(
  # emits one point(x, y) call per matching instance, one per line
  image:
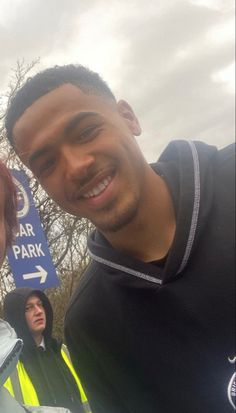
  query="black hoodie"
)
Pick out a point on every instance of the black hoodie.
point(160, 337)
point(52, 380)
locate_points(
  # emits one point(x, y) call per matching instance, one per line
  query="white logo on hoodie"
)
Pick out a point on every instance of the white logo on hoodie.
point(232, 386)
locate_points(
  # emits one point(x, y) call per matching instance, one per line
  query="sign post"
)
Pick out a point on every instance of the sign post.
point(29, 257)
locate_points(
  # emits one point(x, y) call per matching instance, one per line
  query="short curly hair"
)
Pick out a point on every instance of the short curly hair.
point(10, 207)
point(46, 81)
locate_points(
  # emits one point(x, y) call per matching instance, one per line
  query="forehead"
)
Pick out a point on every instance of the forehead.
point(33, 299)
point(52, 109)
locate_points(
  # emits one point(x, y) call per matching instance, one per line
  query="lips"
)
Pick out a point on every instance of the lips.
point(98, 189)
point(39, 320)
point(94, 186)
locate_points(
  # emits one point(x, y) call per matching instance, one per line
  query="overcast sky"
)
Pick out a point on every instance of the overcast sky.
point(172, 60)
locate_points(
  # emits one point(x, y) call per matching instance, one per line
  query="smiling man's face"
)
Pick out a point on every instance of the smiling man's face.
point(82, 149)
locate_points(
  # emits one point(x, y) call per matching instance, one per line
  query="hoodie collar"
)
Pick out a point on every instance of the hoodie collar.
point(185, 167)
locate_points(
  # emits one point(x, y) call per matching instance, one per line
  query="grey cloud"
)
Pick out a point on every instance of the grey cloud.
point(176, 97)
point(167, 63)
point(38, 28)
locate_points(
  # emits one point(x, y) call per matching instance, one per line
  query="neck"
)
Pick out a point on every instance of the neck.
point(37, 338)
point(150, 234)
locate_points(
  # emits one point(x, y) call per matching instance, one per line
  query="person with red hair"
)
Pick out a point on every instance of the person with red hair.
point(8, 204)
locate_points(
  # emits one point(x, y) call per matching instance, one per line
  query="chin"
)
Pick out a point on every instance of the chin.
point(118, 220)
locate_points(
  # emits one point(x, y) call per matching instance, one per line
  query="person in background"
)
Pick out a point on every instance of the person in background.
point(151, 326)
point(10, 345)
point(45, 373)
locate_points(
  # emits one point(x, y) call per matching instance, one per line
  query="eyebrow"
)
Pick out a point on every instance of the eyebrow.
point(69, 128)
point(38, 301)
point(76, 120)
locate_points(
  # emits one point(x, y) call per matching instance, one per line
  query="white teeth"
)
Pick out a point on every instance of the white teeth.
point(98, 189)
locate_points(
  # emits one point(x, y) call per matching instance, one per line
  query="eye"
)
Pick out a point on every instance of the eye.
point(29, 308)
point(87, 134)
point(45, 167)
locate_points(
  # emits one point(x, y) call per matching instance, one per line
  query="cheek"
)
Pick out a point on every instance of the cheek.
point(28, 320)
point(53, 186)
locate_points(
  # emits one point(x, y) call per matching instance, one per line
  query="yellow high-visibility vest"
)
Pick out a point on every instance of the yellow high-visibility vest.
point(28, 392)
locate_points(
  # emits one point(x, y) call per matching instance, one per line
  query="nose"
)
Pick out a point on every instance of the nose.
point(77, 162)
point(38, 308)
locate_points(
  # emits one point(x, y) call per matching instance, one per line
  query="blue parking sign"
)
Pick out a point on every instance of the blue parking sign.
point(29, 256)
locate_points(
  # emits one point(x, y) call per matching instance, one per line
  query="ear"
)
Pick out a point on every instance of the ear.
point(127, 113)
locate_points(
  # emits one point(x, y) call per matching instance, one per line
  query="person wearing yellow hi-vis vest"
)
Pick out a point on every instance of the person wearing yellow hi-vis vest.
point(44, 374)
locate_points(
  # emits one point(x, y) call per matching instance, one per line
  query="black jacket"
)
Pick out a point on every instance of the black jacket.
point(156, 338)
point(52, 380)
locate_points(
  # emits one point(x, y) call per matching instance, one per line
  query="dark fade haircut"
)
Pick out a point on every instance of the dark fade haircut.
point(48, 80)
point(10, 207)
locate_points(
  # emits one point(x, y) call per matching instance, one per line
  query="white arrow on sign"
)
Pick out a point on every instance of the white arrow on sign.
point(40, 273)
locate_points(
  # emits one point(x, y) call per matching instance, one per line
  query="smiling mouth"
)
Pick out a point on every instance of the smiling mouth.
point(98, 189)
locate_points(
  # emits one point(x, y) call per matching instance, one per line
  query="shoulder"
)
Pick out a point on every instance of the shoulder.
point(87, 280)
point(85, 289)
point(224, 184)
point(225, 164)
point(227, 155)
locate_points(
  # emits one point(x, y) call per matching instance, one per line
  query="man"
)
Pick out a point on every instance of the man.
point(150, 326)
point(10, 345)
point(45, 373)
